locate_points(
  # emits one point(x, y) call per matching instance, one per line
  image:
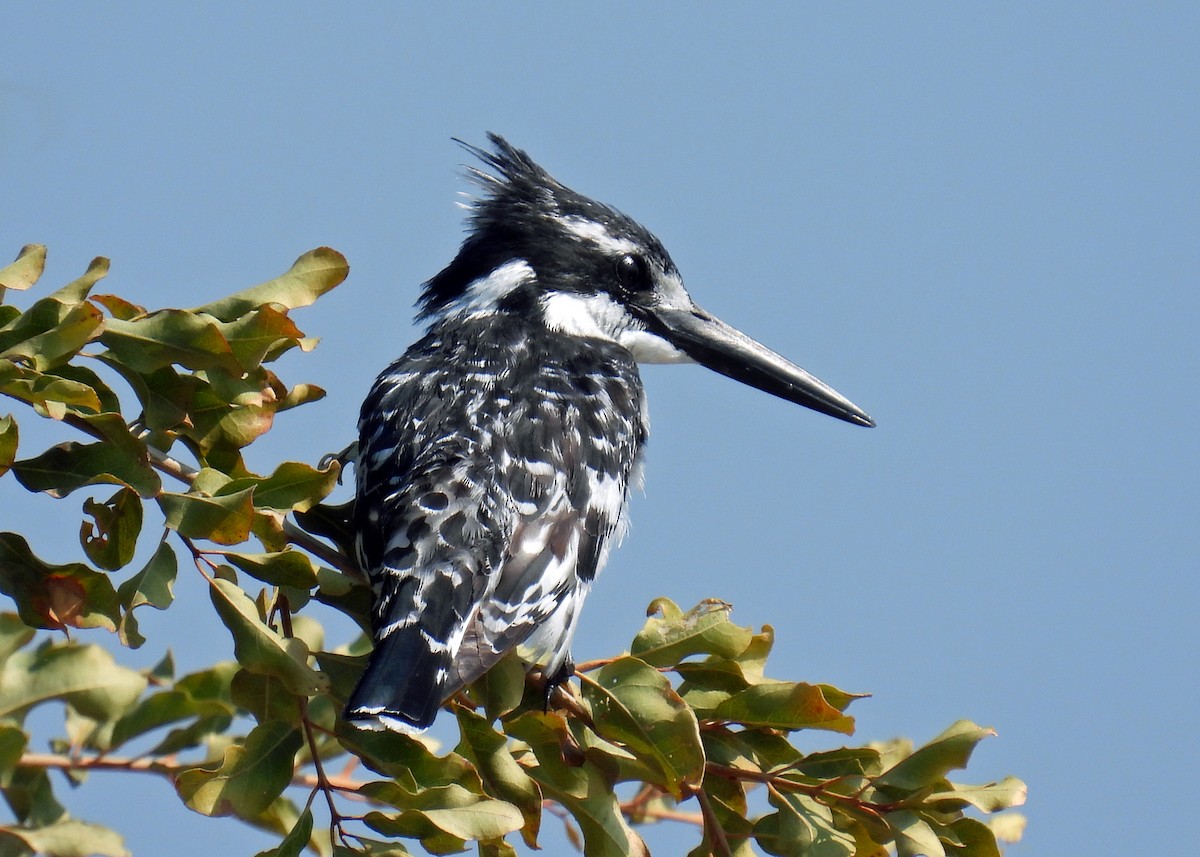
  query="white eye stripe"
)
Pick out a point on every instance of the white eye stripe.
point(590, 230)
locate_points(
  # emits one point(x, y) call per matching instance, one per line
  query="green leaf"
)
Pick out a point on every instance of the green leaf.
point(263, 334)
point(502, 687)
point(442, 817)
point(225, 520)
point(296, 841)
point(914, 836)
point(162, 709)
point(49, 395)
point(30, 796)
point(284, 568)
point(80, 325)
point(843, 762)
point(110, 543)
point(503, 778)
point(930, 764)
point(165, 395)
point(802, 827)
point(206, 697)
point(312, 275)
point(166, 337)
point(14, 634)
point(633, 705)
point(110, 404)
point(85, 677)
point(229, 413)
point(584, 791)
point(977, 838)
point(25, 270)
point(8, 443)
point(786, 705)
point(670, 636)
point(405, 759)
point(265, 697)
point(71, 838)
point(13, 742)
point(55, 596)
point(990, 797)
point(68, 466)
point(371, 848)
point(79, 288)
point(153, 585)
point(251, 775)
point(292, 485)
point(260, 648)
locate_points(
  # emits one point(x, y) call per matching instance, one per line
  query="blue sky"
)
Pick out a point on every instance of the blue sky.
point(982, 224)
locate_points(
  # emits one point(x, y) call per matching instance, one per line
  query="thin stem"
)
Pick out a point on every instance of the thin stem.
point(170, 770)
point(330, 555)
point(712, 825)
point(820, 792)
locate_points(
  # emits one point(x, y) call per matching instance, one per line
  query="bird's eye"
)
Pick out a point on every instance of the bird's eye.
point(633, 273)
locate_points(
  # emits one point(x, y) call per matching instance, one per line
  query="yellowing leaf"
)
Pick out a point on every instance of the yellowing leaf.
point(8, 443)
point(25, 270)
point(167, 337)
point(312, 275)
point(672, 636)
point(79, 326)
point(633, 705)
point(785, 705)
point(55, 596)
point(225, 520)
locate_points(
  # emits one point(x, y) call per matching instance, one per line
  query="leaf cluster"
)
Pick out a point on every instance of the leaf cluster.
point(684, 727)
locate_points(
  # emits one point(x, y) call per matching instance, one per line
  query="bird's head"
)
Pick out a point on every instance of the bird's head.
point(539, 249)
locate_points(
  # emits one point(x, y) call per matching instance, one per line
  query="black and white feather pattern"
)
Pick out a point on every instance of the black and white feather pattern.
point(488, 500)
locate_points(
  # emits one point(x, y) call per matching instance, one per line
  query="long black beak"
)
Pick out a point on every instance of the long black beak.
point(712, 343)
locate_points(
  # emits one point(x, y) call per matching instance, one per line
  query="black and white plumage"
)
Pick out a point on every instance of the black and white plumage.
point(496, 457)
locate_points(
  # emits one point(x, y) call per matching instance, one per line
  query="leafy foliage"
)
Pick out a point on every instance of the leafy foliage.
point(687, 726)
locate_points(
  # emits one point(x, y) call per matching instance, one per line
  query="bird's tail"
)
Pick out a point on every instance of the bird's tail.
point(400, 689)
point(417, 638)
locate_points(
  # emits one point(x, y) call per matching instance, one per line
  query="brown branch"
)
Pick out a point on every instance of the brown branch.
point(637, 809)
point(589, 666)
point(819, 792)
point(712, 826)
point(170, 770)
point(326, 553)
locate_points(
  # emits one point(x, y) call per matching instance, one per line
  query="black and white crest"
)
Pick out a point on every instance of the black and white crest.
point(496, 456)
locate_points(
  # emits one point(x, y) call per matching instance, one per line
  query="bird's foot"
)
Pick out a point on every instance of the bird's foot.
point(553, 681)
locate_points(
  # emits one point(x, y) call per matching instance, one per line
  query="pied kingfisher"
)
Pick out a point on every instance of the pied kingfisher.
point(496, 456)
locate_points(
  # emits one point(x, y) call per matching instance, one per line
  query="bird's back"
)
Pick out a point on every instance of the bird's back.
point(495, 460)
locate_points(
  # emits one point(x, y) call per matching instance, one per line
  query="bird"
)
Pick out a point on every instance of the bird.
point(496, 457)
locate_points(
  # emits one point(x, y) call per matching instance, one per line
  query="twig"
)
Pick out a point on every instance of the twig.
point(712, 825)
point(330, 555)
point(819, 792)
point(284, 610)
point(169, 770)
